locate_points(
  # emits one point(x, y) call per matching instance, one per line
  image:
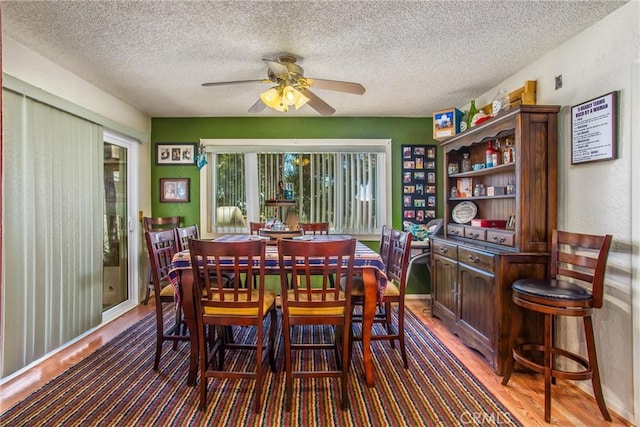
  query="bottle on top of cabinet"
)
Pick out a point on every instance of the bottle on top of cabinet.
point(489, 155)
point(466, 162)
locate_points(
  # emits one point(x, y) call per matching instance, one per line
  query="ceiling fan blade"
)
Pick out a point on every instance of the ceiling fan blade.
point(257, 107)
point(279, 70)
point(347, 87)
point(236, 82)
point(318, 104)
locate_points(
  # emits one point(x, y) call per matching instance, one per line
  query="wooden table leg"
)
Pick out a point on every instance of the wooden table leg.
point(369, 310)
point(188, 309)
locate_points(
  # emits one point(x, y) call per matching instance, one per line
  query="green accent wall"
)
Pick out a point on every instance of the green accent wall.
point(401, 130)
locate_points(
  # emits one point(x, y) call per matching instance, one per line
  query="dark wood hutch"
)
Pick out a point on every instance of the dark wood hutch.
point(474, 266)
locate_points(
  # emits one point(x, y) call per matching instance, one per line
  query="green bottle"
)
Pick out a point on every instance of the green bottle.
point(472, 112)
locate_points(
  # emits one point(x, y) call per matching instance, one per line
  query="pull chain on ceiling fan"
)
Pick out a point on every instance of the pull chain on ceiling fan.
point(292, 88)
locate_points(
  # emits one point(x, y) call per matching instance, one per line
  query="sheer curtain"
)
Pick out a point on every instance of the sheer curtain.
point(52, 214)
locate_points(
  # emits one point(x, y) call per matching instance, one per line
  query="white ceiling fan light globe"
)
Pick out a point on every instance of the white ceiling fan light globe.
point(270, 97)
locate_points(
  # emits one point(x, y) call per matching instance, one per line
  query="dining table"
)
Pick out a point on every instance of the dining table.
point(367, 262)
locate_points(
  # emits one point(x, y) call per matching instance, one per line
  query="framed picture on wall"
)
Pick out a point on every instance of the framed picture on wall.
point(418, 179)
point(174, 190)
point(175, 154)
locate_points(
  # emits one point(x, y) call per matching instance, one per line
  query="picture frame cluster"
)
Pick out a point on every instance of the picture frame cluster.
point(419, 177)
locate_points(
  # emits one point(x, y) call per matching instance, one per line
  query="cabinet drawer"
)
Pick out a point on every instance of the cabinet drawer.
point(455, 230)
point(480, 260)
point(445, 249)
point(499, 237)
point(475, 233)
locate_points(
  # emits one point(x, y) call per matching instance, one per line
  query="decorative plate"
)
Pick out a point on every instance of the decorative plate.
point(280, 234)
point(464, 212)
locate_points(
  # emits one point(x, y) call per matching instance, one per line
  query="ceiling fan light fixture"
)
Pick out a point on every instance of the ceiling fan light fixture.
point(293, 96)
point(271, 97)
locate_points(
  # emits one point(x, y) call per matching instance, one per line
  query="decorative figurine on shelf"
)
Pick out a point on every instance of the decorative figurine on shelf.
point(293, 221)
point(280, 191)
point(288, 191)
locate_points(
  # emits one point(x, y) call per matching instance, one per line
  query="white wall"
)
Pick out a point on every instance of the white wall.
point(597, 197)
point(34, 69)
point(38, 71)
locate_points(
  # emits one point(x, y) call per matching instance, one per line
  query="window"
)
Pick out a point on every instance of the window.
point(343, 182)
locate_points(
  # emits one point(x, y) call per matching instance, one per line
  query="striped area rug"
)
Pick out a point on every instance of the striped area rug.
point(116, 385)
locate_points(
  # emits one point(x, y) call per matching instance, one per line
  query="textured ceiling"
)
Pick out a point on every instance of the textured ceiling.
point(413, 57)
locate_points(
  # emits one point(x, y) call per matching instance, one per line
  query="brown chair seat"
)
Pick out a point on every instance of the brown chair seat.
point(392, 288)
point(269, 300)
point(554, 289)
point(167, 290)
point(316, 310)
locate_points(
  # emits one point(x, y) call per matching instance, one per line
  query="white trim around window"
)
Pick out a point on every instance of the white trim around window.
point(382, 146)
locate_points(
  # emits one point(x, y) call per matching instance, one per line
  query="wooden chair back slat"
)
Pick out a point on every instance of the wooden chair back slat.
point(216, 260)
point(399, 254)
point(160, 223)
point(183, 234)
point(314, 262)
point(582, 257)
point(162, 246)
point(314, 228)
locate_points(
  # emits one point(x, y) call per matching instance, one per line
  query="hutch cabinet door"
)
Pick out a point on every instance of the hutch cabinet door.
point(445, 271)
point(477, 309)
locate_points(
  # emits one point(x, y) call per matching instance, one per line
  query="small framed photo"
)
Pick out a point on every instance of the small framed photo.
point(175, 154)
point(174, 190)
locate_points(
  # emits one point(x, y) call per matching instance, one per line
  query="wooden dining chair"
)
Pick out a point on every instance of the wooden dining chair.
point(394, 294)
point(156, 224)
point(383, 250)
point(162, 246)
point(254, 227)
point(575, 288)
point(314, 228)
point(183, 234)
point(313, 301)
point(227, 304)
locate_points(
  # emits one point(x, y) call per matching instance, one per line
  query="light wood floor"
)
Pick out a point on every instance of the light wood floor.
point(523, 397)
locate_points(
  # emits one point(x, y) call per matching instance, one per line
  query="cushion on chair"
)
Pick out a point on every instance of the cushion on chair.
point(315, 311)
point(357, 288)
point(167, 291)
point(392, 289)
point(269, 300)
point(554, 289)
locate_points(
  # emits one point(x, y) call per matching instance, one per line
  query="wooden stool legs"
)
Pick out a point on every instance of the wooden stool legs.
point(548, 368)
point(593, 361)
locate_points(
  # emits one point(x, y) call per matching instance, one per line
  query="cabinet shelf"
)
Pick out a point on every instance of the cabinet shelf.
point(503, 196)
point(486, 171)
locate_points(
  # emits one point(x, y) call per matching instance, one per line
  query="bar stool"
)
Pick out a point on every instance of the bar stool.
point(580, 258)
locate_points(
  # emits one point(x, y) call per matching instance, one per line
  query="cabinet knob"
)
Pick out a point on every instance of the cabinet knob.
point(500, 240)
point(473, 259)
point(475, 235)
point(443, 250)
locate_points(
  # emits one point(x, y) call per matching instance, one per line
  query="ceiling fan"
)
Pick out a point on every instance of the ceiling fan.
point(292, 89)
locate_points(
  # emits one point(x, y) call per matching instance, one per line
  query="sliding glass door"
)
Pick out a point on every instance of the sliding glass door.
point(115, 289)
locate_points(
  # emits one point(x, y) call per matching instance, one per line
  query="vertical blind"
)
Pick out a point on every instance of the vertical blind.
point(52, 245)
point(333, 187)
